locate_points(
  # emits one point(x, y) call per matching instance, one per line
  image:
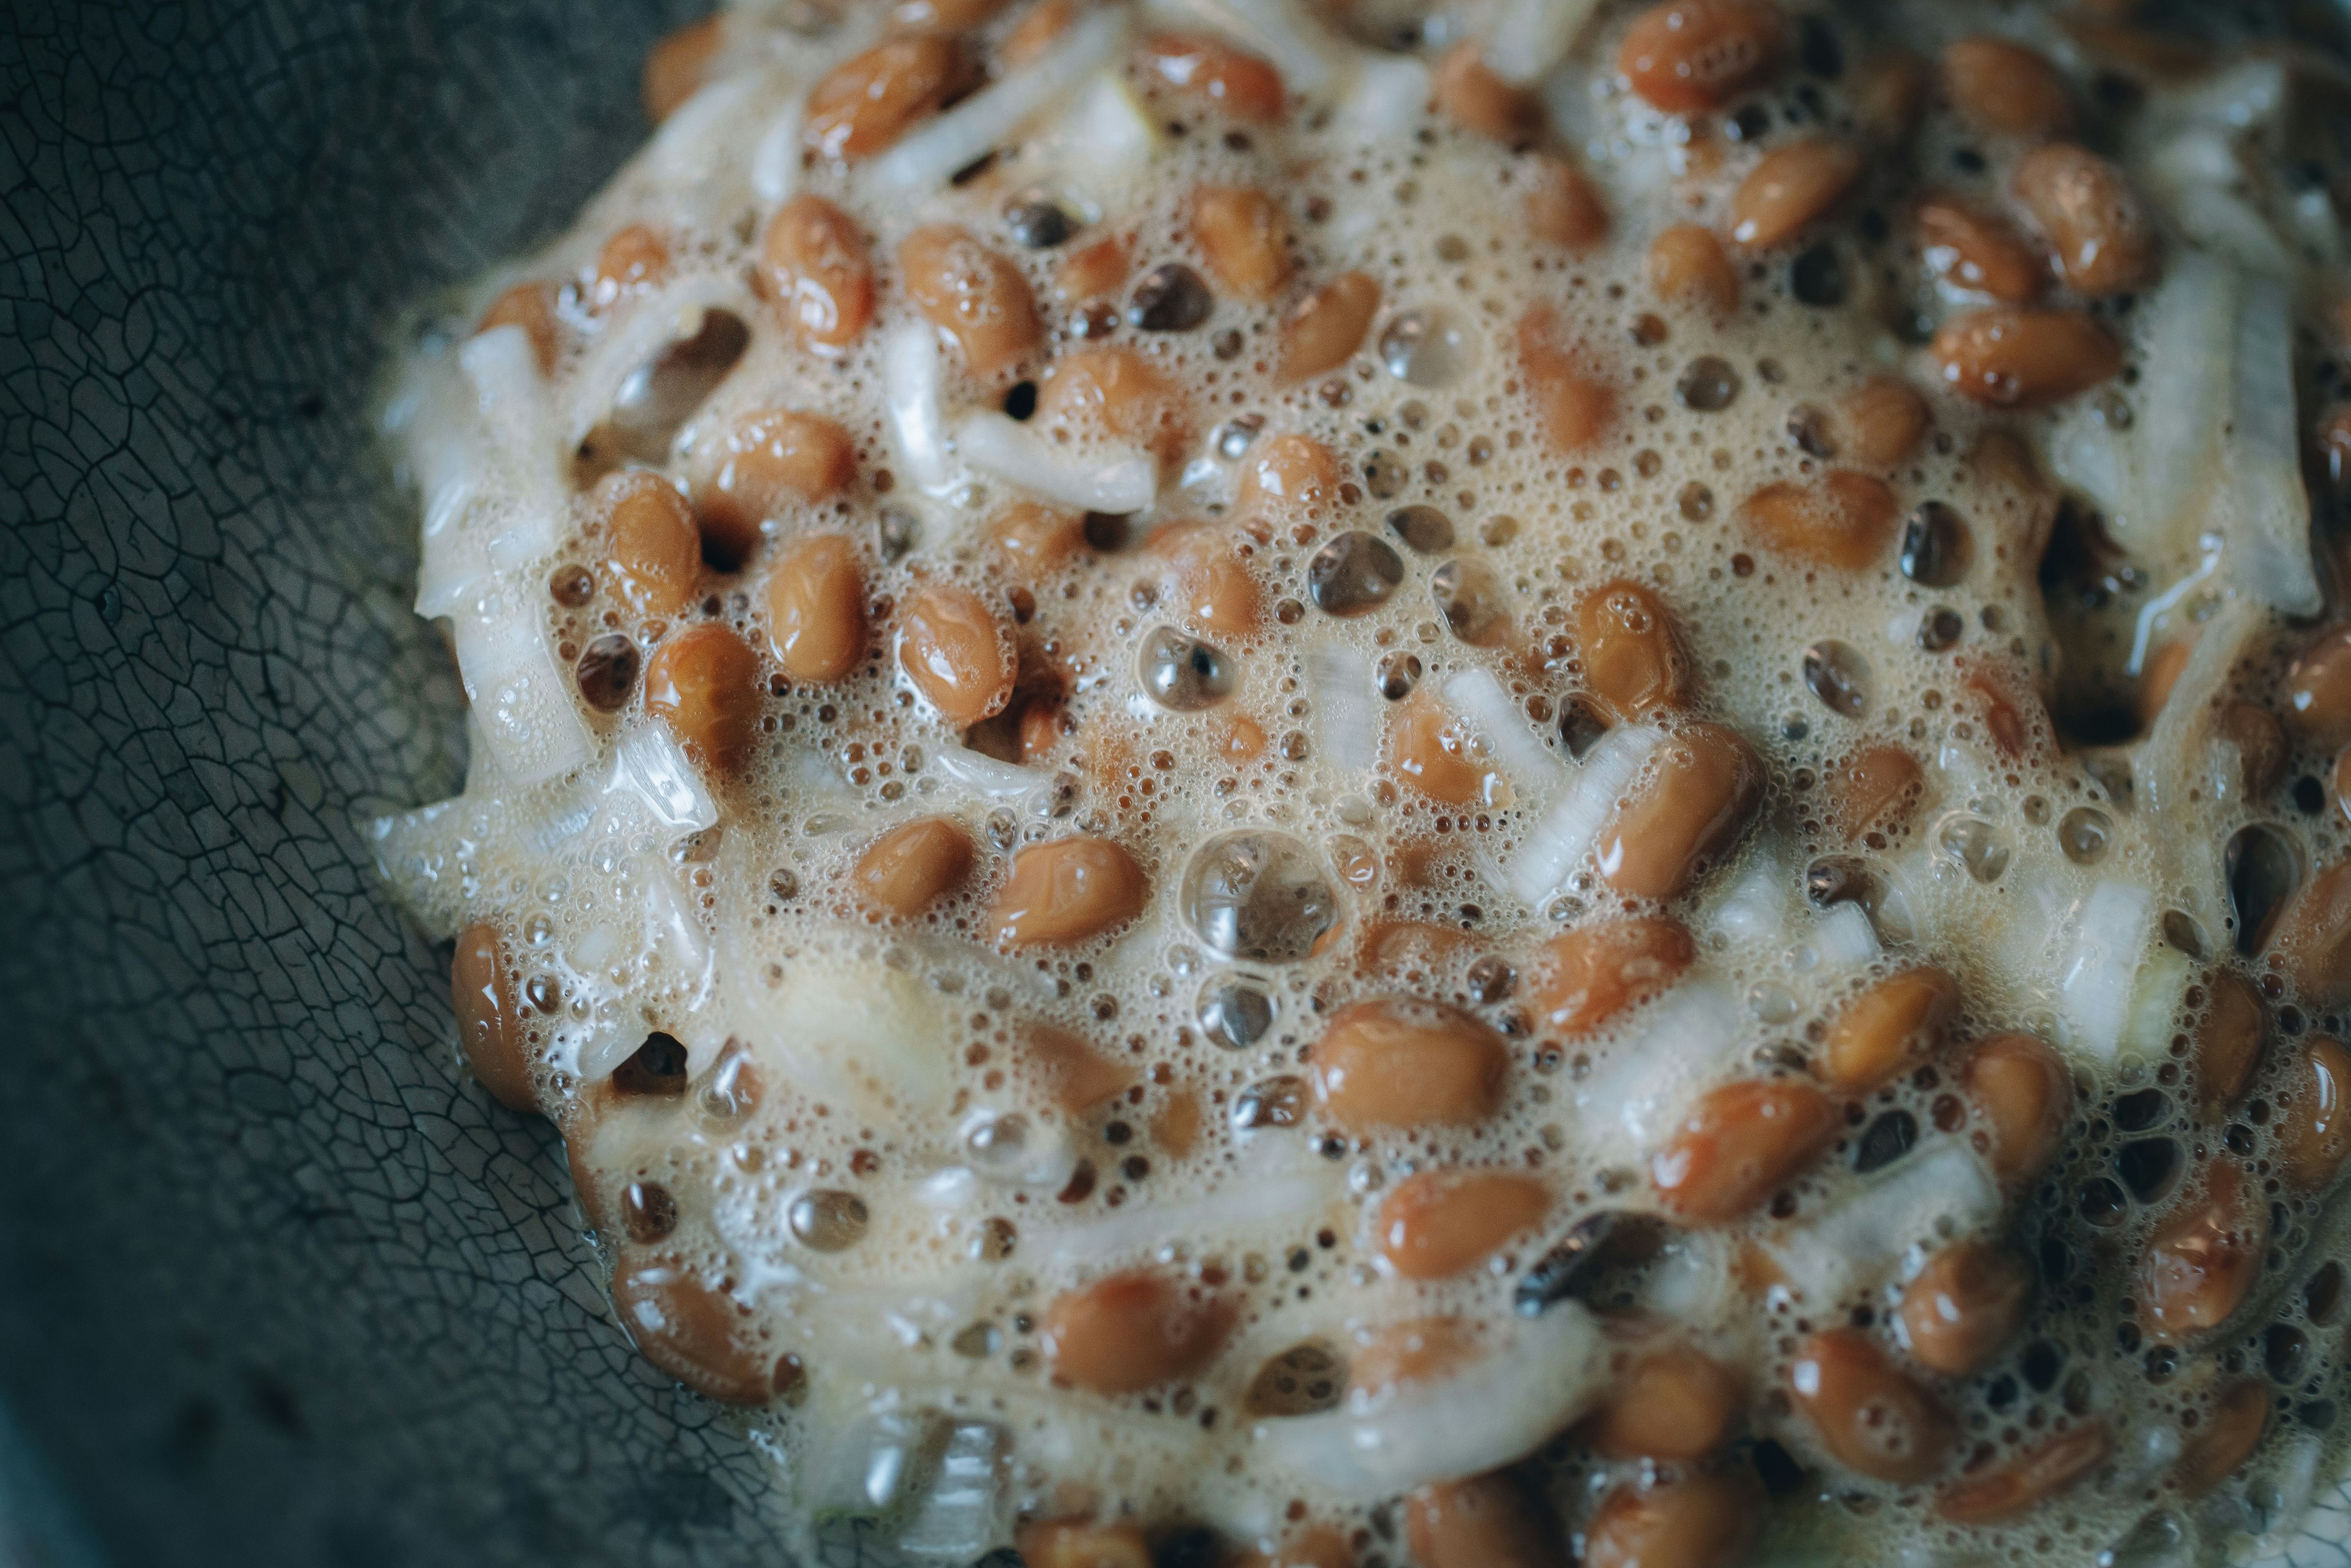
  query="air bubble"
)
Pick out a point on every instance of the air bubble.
point(1183, 674)
point(1974, 843)
point(1424, 530)
point(1427, 348)
point(828, 1221)
point(1257, 895)
point(2084, 835)
point(1234, 1014)
point(1837, 675)
point(1707, 386)
point(1469, 596)
point(1353, 574)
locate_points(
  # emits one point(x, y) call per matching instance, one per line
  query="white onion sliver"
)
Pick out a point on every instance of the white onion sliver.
point(776, 159)
point(527, 717)
point(2096, 972)
point(2267, 508)
point(649, 767)
point(1346, 721)
point(1564, 834)
point(673, 316)
point(1389, 94)
point(910, 378)
point(1844, 936)
point(1531, 36)
point(1757, 906)
point(1108, 138)
point(1274, 28)
point(1644, 1081)
point(1544, 1376)
point(979, 122)
point(1119, 479)
point(1930, 1198)
point(871, 1036)
point(1477, 696)
point(1242, 1207)
point(989, 776)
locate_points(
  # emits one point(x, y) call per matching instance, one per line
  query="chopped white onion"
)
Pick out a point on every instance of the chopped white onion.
point(673, 316)
point(1302, 52)
point(1548, 1371)
point(650, 768)
point(966, 1510)
point(2264, 514)
point(527, 717)
point(2096, 968)
point(1117, 479)
point(776, 160)
point(968, 131)
point(1244, 1206)
point(1108, 138)
point(1531, 36)
point(1346, 718)
point(1643, 1081)
point(988, 776)
point(1388, 96)
point(1564, 835)
point(1844, 936)
point(1477, 696)
point(873, 1037)
point(912, 375)
point(1756, 908)
point(1922, 1201)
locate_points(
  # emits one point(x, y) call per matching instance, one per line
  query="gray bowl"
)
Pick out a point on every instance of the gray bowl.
point(275, 1286)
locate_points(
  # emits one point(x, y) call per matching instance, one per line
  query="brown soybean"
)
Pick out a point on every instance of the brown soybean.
point(2313, 942)
point(2228, 1039)
point(1400, 1062)
point(1292, 473)
point(2233, 1425)
point(1584, 976)
point(1676, 1404)
point(975, 296)
point(1486, 1522)
point(1700, 790)
point(1631, 650)
point(1875, 789)
point(2008, 357)
point(1115, 393)
point(1324, 330)
point(1895, 1021)
point(2024, 1093)
point(1241, 84)
point(1429, 751)
point(2313, 1124)
point(1067, 891)
point(772, 460)
point(2004, 88)
point(1971, 249)
point(531, 307)
point(1564, 206)
point(912, 864)
point(1794, 186)
point(2200, 1265)
point(1738, 1145)
point(1469, 93)
point(1881, 422)
point(653, 551)
point(489, 1026)
point(1441, 1223)
point(2091, 218)
point(677, 66)
point(1870, 1417)
point(1844, 520)
point(1697, 1521)
point(2042, 1471)
point(1574, 399)
point(1964, 1306)
point(816, 609)
point(1131, 1331)
point(694, 1333)
point(1078, 1544)
point(2318, 689)
point(1686, 266)
point(864, 105)
point(956, 653)
point(1246, 240)
point(703, 683)
point(818, 272)
point(1686, 57)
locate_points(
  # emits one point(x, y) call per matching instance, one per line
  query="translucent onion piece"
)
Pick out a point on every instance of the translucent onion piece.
point(1564, 835)
point(1114, 479)
point(2097, 966)
point(976, 125)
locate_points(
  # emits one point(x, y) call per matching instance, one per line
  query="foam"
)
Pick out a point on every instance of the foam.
point(878, 1049)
